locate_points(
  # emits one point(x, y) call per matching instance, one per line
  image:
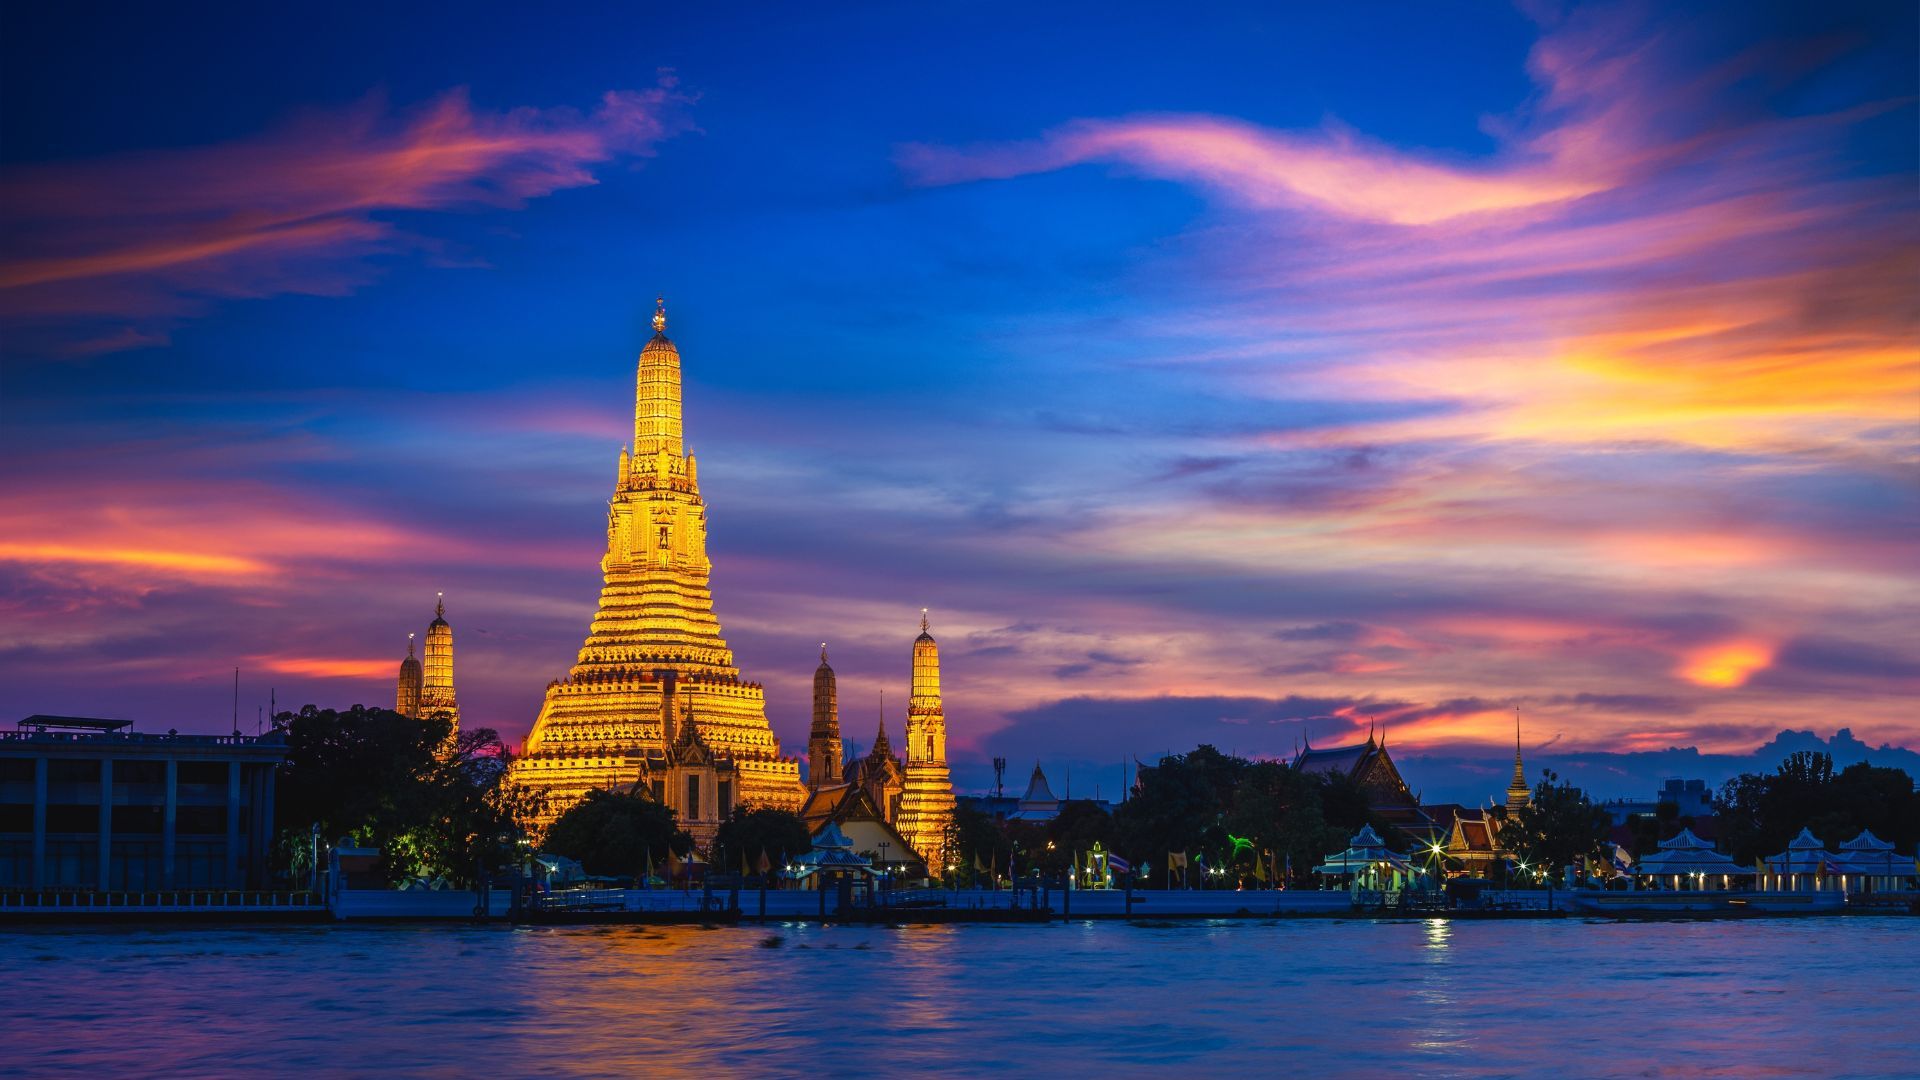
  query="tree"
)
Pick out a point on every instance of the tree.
point(1760, 814)
point(617, 833)
point(974, 836)
point(749, 833)
point(435, 805)
point(1558, 825)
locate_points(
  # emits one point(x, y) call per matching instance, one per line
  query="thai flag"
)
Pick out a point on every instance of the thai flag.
point(1622, 861)
point(1118, 865)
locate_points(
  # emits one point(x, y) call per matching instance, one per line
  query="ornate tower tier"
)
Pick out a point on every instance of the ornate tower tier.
point(654, 632)
point(406, 697)
point(926, 803)
point(436, 689)
point(823, 740)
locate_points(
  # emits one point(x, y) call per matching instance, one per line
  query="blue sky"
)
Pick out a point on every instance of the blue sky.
point(1375, 364)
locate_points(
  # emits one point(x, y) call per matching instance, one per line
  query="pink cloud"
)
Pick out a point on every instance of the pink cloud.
point(150, 237)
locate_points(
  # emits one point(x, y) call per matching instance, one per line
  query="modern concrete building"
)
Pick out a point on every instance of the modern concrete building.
point(89, 804)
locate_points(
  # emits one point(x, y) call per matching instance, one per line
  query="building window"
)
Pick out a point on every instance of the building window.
point(693, 798)
point(725, 798)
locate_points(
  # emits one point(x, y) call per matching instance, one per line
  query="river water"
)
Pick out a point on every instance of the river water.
point(1330, 997)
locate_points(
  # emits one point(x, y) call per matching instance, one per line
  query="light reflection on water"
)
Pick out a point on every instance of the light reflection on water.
point(1776, 997)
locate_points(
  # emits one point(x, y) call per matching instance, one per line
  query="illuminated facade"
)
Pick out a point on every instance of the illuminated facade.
point(654, 695)
point(926, 802)
point(427, 690)
point(880, 774)
point(436, 687)
point(406, 694)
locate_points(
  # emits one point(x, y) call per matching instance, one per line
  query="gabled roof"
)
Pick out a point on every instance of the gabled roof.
point(1866, 841)
point(1686, 853)
point(834, 803)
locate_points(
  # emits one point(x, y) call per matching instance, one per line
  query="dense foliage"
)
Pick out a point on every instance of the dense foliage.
point(617, 834)
point(436, 806)
point(1558, 826)
point(1244, 818)
point(1761, 813)
point(750, 833)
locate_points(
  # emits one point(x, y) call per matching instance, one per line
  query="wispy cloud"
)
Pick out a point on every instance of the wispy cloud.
point(143, 239)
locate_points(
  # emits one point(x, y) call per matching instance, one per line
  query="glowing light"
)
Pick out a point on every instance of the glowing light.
point(1726, 665)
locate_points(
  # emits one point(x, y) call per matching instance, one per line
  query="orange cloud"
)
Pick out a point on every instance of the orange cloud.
point(325, 667)
point(194, 563)
point(1727, 664)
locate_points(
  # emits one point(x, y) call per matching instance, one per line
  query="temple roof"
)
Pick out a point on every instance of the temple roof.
point(1688, 854)
point(1037, 789)
point(1866, 841)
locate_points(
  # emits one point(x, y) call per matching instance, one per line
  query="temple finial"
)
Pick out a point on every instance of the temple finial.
point(659, 314)
point(823, 652)
point(923, 621)
point(440, 605)
point(409, 644)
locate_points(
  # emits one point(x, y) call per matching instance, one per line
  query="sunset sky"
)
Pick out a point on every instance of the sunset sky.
point(1228, 375)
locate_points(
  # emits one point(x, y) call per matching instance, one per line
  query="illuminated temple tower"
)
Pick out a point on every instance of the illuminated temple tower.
point(823, 740)
point(654, 699)
point(436, 686)
point(406, 694)
point(926, 803)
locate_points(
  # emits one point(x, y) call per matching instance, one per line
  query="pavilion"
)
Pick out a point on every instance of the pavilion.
point(1878, 866)
point(1686, 861)
point(1806, 866)
point(1369, 863)
point(832, 854)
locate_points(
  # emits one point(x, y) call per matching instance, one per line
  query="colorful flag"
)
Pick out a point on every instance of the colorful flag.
point(977, 865)
point(1260, 867)
point(1176, 858)
point(1118, 865)
point(765, 863)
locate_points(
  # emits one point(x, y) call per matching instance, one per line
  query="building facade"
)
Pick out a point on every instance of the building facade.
point(89, 805)
point(655, 670)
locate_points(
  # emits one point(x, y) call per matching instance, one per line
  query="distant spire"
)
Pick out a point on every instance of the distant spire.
point(923, 621)
point(823, 652)
point(409, 644)
point(1518, 794)
point(659, 314)
point(440, 605)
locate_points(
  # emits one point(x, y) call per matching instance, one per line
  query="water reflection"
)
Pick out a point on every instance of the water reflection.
point(1337, 997)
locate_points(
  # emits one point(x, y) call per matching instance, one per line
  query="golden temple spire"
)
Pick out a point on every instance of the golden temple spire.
point(923, 621)
point(659, 314)
point(1518, 794)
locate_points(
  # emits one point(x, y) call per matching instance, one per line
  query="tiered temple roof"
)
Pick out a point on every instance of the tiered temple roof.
point(655, 635)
